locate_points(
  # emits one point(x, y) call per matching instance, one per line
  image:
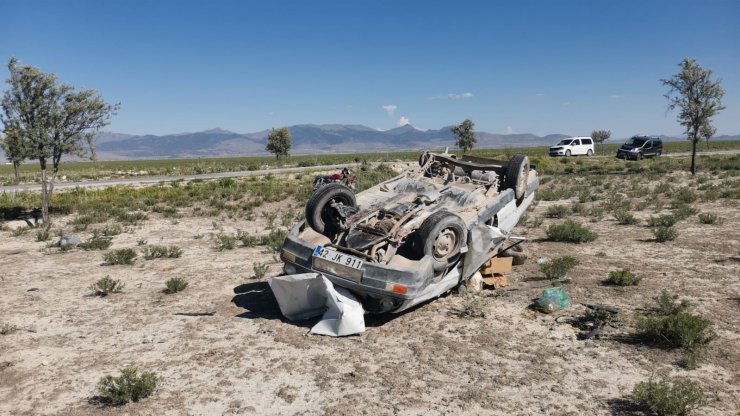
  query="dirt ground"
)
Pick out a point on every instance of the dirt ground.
point(246, 359)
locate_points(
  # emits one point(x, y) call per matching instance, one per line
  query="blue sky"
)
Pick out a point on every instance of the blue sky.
point(517, 66)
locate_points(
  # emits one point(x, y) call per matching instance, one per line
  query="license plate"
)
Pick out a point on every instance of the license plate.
point(336, 263)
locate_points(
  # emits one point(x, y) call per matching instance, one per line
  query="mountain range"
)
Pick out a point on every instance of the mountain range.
point(307, 139)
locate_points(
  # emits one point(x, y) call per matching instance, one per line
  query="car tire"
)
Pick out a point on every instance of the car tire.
point(590, 153)
point(658, 153)
point(567, 153)
point(320, 215)
point(441, 236)
point(639, 156)
point(517, 175)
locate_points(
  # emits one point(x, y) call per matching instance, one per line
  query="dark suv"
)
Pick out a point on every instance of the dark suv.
point(639, 147)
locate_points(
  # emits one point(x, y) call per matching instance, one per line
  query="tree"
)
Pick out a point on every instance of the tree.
point(465, 136)
point(14, 148)
point(698, 98)
point(51, 119)
point(279, 142)
point(600, 136)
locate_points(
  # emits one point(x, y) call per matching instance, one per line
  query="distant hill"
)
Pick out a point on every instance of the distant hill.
point(307, 139)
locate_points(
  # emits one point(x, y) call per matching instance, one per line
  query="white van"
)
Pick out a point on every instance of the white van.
point(573, 146)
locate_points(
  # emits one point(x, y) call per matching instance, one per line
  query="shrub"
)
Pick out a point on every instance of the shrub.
point(557, 211)
point(159, 252)
point(120, 256)
point(624, 217)
point(176, 284)
point(43, 235)
point(684, 195)
point(558, 267)
point(96, 243)
point(663, 234)
point(707, 218)
point(666, 220)
point(673, 326)
point(246, 239)
point(473, 307)
point(684, 211)
point(275, 239)
point(108, 231)
point(225, 242)
point(259, 269)
point(623, 277)
point(19, 231)
point(141, 242)
point(129, 386)
point(106, 286)
point(570, 231)
point(669, 397)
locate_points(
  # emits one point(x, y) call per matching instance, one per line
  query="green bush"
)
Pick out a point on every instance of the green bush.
point(106, 286)
point(120, 256)
point(176, 284)
point(665, 220)
point(557, 211)
point(673, 326)
point(159, 252)
point(669, 397)
point(623, 277)
point(684, 211)
point(684, 195)
point(558, 267)
point(129, 386)
point(43, 234)
point(473, 307)
point(225, 242)
point(663, 234)
point(247, 239)
point(624, 217)
point(19, 231)
point(260, 269)
point(708, 218)
point(570, 231)
point(275, 239)
point(96, 243)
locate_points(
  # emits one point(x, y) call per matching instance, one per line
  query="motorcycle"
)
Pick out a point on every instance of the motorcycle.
point(343, 177)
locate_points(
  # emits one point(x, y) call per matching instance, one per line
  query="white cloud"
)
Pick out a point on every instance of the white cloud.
point(452, 96)
point(616, 97)
point(540, 94)
point(508, 130)
point(566, 102)
point(462, 96)
point(390, 108)
point(403, 121)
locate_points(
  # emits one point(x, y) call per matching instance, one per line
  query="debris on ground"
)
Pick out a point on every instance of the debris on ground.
point(553, 299)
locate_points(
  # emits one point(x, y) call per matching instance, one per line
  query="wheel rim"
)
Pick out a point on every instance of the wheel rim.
point(521, 185)
point(444, 244)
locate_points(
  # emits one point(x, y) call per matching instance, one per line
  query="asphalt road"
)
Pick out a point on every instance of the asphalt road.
point(157, 179)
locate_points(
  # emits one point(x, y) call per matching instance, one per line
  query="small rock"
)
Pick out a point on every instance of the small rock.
point(68, 241)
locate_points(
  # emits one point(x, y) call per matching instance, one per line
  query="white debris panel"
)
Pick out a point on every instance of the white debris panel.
point(307, 295)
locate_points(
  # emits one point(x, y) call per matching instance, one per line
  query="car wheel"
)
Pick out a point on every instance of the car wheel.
point(517, 175)
point(320, 215)
point(567, 153)
point(590, 153)
point(441, 236)
point(640, 156)
point(658, 153)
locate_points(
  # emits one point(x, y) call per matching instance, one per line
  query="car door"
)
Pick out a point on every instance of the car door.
point(575, 147)
point(647, 149)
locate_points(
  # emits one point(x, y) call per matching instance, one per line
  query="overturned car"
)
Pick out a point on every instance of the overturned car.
point(415, 236)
